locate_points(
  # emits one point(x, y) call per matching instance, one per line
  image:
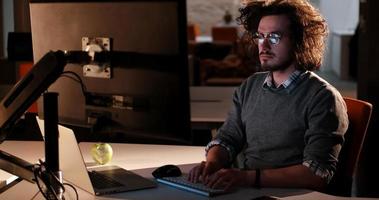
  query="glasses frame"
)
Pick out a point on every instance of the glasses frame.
point(273, 38)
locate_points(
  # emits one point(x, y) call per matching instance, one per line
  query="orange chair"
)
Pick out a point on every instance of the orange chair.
point(193, 31)
point(359, 113)
point(224, 34)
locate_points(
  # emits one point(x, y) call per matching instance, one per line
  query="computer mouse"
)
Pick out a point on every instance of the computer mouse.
point(167, 171)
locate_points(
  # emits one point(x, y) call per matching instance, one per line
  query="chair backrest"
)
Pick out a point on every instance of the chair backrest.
point(193, 31)
point(359, 113)
point(225, 34)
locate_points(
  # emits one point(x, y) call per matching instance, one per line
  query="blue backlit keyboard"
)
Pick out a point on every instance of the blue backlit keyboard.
point(181, 182)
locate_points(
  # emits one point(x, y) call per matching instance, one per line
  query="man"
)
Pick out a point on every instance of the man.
point(287, 122)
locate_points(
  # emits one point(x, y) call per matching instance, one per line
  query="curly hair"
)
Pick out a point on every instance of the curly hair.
point(309, 28)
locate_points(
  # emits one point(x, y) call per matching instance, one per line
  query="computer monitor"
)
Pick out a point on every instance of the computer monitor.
point(145, 97)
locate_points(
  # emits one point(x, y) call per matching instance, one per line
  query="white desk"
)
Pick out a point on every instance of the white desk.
point(135, 156)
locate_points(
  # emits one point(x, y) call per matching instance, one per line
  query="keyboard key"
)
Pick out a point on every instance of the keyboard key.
point(181, 182)
point(101, 181)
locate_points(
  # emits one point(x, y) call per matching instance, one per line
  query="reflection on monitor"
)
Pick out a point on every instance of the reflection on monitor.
point(144, 95)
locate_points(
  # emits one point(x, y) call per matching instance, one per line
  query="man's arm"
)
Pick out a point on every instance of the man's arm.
point(213, 173)
point(296, 176)
point(219, 156)
point(222, 149)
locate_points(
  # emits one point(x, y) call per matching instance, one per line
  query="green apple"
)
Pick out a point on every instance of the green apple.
point(102, 153)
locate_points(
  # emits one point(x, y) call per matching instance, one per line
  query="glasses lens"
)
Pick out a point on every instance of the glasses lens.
point(274, 38)
point(256, 38)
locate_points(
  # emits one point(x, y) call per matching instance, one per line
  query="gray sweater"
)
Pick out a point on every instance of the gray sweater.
point(274, 127)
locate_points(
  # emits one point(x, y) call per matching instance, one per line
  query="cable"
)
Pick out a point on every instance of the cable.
point(71, 186)
point(76, 78)
point(46, 179)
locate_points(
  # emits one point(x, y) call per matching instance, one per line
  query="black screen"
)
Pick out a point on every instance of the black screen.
point(146, 99)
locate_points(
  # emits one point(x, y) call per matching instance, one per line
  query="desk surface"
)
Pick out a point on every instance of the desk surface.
point(212, 93)
point(144, 158)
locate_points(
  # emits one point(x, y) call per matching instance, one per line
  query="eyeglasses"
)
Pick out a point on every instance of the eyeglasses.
point(273, 38)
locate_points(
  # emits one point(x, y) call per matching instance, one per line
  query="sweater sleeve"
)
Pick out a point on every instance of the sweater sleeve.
point(327, 120)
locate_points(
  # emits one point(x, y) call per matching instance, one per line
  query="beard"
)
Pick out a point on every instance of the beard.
point(271, 67)
point(276, 66)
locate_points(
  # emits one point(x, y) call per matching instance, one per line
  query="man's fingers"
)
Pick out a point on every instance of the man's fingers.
point(219, 183)
point(211, 180)
point(199, 172)
point(209, 169)
point(222, 179)
point(196, 172)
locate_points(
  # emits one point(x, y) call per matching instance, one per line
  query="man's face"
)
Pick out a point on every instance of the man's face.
point(278, 56)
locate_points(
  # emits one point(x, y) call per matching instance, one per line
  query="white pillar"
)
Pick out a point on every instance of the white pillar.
point(8, 22)
point(342, 17)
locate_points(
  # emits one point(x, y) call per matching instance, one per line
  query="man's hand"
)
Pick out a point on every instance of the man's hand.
point(229, 178)
point(211, 176)
point(217, 158)
point(201, 172)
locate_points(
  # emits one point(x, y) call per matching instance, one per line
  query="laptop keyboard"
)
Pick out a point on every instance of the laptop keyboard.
point(181, 182)
point(101, 181)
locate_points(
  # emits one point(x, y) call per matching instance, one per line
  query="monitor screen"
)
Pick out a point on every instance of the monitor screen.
point(145, 97)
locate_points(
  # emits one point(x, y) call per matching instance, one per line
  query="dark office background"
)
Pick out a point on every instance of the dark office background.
point(1, 31)
point(367, 81)
point(368, 89)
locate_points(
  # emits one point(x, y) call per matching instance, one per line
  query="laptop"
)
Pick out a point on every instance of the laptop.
point(98, 180)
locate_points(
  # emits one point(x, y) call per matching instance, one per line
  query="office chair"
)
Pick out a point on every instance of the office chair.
point(359, 113)
point(224, 34)
point(193, 30)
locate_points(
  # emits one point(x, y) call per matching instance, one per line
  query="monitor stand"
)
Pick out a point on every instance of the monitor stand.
point(16, 166)
point(24, 169)
point(18, 100)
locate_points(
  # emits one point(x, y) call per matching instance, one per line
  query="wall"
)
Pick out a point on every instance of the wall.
point(342, 25)
point(207, 13)
point(8, 22)
point(342, 17)
point(21, 16)
point(1, 30)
